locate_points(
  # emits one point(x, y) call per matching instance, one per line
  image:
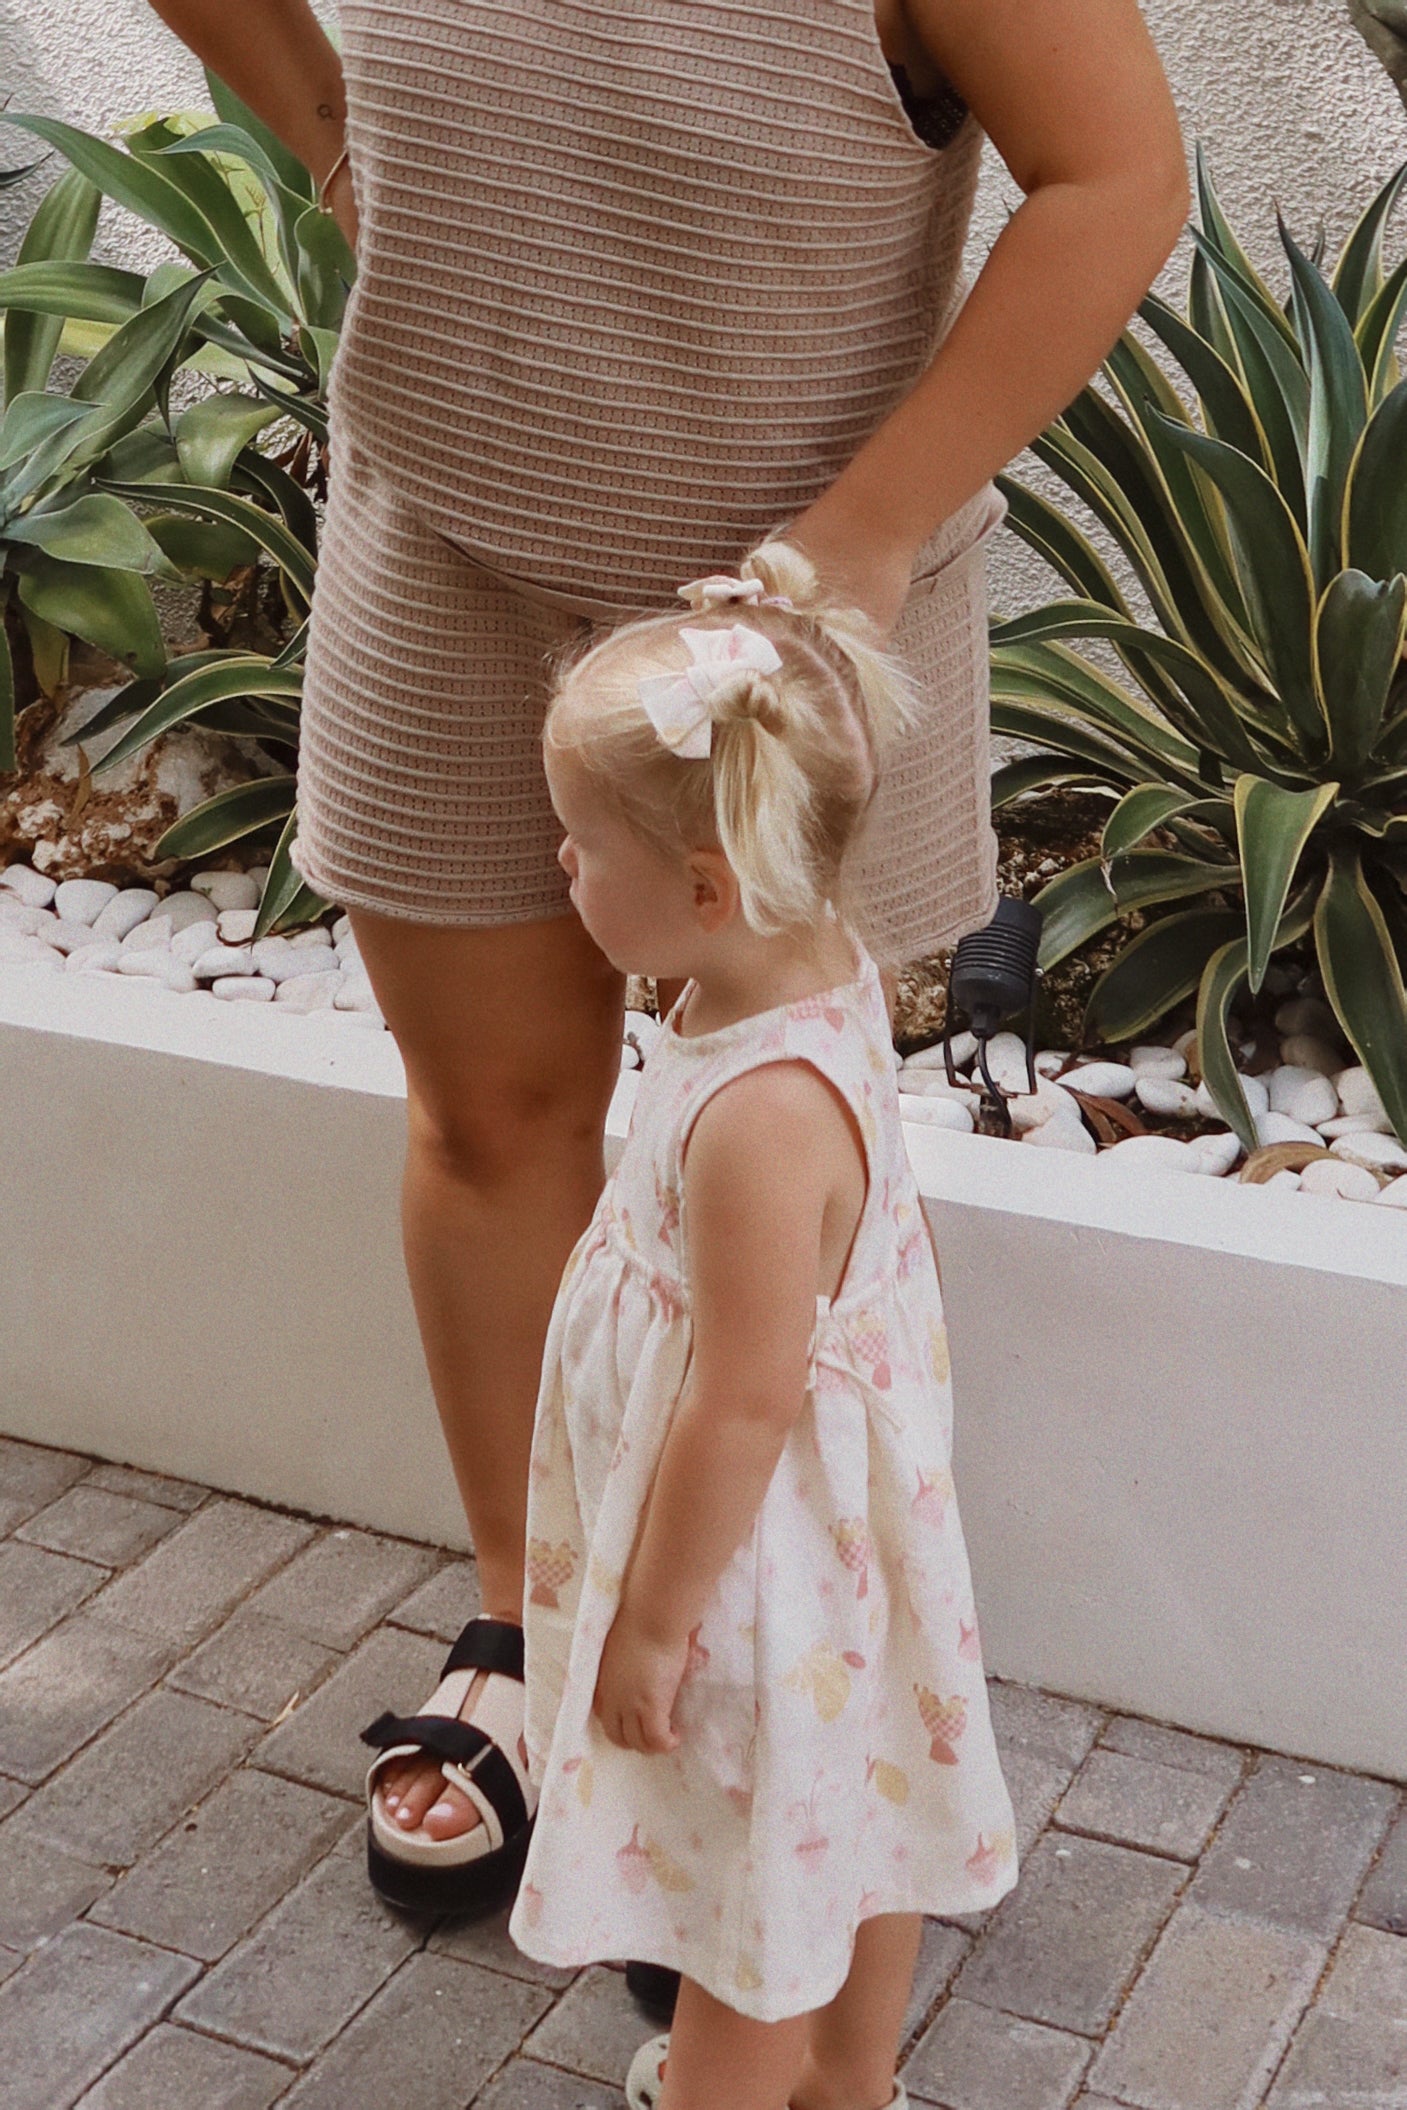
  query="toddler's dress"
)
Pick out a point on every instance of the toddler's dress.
point(836, 1756)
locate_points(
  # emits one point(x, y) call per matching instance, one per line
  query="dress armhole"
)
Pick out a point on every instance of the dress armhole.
point(853, 1123)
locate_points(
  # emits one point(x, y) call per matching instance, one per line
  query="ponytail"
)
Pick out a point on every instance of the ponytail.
point(795, 755)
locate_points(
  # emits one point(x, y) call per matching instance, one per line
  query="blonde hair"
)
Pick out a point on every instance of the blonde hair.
point(796, 754)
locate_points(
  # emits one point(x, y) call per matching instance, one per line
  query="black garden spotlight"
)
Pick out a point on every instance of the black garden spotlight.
point(994, 974)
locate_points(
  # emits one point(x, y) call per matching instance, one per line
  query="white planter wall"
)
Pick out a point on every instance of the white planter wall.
point(1181, 1427)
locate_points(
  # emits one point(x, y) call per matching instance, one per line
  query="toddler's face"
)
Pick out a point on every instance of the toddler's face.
point(636, 904)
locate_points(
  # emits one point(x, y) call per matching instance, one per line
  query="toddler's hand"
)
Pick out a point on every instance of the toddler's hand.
point(636, 1685)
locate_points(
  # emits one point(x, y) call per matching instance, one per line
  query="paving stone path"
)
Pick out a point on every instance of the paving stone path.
point(185, 1921)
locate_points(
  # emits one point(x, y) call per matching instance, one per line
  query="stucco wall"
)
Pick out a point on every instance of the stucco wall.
point(1285, 98)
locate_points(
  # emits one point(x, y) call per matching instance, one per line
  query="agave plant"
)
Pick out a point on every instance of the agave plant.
point(1262, 729)
point(259, 299)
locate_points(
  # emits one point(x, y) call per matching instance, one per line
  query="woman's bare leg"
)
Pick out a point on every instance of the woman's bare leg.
point(854, 2042)
point(719, 2057)
point(511, 1040)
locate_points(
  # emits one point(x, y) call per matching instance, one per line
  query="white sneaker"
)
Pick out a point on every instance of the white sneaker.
point(645, 2081)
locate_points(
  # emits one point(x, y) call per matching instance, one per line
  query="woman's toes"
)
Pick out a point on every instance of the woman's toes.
point(451, 1814)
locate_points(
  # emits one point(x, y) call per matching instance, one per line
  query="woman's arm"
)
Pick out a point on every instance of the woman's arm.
point(277, 59)
point(1073, 96)
point(761, 1163)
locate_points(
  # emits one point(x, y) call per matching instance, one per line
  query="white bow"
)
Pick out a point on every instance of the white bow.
point(677, 705)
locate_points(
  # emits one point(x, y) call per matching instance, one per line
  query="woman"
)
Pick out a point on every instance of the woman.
point(636, 285)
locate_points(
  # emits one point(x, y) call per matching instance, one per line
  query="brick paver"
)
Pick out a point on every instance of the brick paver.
point(99, 1525)
point(1383, 1899)
point(186, 1923)
point(1208, 2020)
point(1063, 1945)
point(1295, 1845)
point(976, 2058)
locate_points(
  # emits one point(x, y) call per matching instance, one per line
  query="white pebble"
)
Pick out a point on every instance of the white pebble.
point(1153, 1061)
point(1050, 1062)
point(19, 916)
point(341, 928)
point(1305, 1095)
point(1306, 1014)
point(298, 962)
point(226, 889)
point(1282, 1128)
point(1394, 1194)
point(159, 967)
point(1257, 1097)
point(1006, 1059)
point(1372, 1150)
point(1134, 1153)
point(281, 961)
point(259, 873)
point(255, 988)
point(125, 911)
point(309, 992)
point(1357, 1092)
point(1283, 1178)
point(1327, 1176)
point(1355, 1125)
point(1048, 1102)
point(1185, 1042)
point(74, 937)
point(152, 936)
point(964, 1048)
point(357, 994)
point(1107, 1080)
point(236, 925)
point(192, 943)
point(1060, 1134)
point(223, 959)
point(929, 1084)
point(316, 934)
point(936, 1111)
point(105, 955)
point(629, 1057)
point(79, 900)
point(1216, 1153)
point(1307, 1053)
point(17, 946)
point(1165, 1095)
point(32, 888)
point(186, 907)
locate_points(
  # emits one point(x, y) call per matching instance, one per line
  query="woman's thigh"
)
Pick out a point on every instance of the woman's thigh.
point(420, 788)
point(505, 1031)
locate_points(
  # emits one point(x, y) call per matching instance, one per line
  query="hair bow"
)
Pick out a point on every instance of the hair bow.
point(719, 586)
point(677, 705)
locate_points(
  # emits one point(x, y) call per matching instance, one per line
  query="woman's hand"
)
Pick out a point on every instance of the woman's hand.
point(856, 566)
point(636, 1686)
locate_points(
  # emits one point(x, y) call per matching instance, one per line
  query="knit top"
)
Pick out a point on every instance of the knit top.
point(635, 282)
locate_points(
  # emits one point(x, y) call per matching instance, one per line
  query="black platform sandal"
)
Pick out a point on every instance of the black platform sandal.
point(477, 1872)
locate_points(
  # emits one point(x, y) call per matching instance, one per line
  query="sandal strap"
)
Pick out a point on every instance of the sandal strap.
point(488, 1644)
point(466, 1745)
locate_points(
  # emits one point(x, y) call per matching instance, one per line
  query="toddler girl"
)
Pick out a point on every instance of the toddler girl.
point(755, 1704)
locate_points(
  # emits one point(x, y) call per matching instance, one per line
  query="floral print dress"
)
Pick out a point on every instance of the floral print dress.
point(836, 1757)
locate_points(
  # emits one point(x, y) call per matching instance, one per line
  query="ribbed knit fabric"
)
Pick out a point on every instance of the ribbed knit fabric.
point(634, 283)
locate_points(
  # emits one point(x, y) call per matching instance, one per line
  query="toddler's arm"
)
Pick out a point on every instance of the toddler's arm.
point(768, 1153)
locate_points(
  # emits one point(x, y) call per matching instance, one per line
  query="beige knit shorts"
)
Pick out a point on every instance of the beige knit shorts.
point(420, 788)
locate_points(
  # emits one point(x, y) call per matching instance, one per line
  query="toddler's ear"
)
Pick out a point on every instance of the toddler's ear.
point(715, 889)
